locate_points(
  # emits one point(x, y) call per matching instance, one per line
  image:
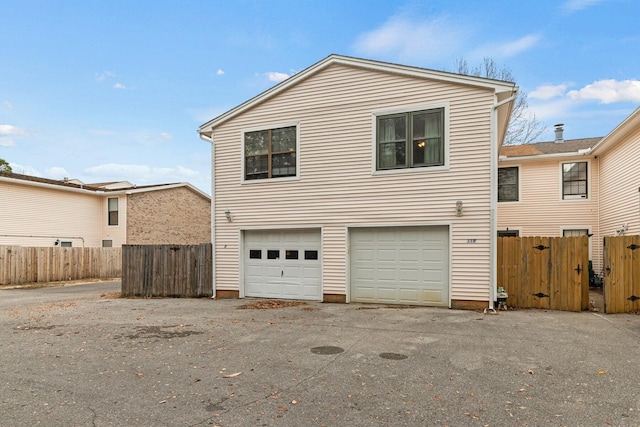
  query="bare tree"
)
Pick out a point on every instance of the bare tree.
point(524, 128)
point(5, 166)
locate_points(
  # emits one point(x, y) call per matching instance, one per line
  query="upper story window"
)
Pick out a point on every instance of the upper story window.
point(508, 184)
point(577, 232)
point(410, 140)
point(574, 180)
point(112, 210)
point(270, 153)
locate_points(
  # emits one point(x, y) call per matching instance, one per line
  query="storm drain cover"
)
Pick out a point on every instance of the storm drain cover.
point(393, 356)
point(327, 349)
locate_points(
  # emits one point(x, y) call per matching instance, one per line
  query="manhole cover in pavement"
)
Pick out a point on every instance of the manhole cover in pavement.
point(393, 356)
point(327, 349)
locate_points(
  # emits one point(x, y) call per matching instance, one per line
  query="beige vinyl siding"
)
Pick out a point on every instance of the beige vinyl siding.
point(620, 173)
point(336, 188)
point(42, 212)
point(541, 211)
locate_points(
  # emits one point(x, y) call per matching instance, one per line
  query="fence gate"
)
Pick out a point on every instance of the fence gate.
point(621, 274)
point(545, 272)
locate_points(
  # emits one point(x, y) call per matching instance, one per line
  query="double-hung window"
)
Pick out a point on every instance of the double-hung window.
point(574, 180)
point(410, 140)
point(112, 210)
point(270, 153)
point(508, 184)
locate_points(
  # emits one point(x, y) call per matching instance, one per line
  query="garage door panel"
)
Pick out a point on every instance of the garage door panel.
point(288, 265)
point(406, 265)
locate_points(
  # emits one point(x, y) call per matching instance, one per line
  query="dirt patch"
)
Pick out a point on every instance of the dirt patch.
point(162, 332)
point(111, 295)
point(44, 310)
point(269, 304)
point(56, 284)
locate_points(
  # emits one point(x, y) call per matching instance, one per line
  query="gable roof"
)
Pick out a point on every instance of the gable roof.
point(628, 125)
point(568, 147)
point(116, 187)
point(498, 86)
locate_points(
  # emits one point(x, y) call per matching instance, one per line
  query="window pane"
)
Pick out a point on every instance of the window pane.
point(289, 254)
point(283, 139)
point(283, 165)
point(273, 254)
point(255, 253)
point(392, 129)
point(257, 167)
point(574, 180)
point(310, 255)
point(256, 142)
point(113, 218)
point(575, 233)
point(107, 243)
point(508, 184)
point(392, 154)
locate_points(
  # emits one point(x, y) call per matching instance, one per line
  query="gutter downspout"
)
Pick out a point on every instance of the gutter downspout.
point(213, 216)
point(493, 216)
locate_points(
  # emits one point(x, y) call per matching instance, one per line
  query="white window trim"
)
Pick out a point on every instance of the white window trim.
point(267, 127)
point(108, 212)
point(519, 185)
point(425, 169)
point(561, 184)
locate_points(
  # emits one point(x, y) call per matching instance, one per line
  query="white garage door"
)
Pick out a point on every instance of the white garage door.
point(282, 264)
point(400, 265)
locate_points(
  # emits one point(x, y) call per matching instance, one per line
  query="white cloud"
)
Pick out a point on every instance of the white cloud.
point(119, 86)
point(277, 77)
point(220, 72)
point(100, 77)
point(162, 136)
point(56, 172)
point(515, 47)
point(576, 5)
point(139, 174)
point(409, 39)
point(548, 91)
point(608, 91)
point(8, 132)
point(24, 170)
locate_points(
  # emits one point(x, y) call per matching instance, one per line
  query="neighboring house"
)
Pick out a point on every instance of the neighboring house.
point(360, 181)
point(45, 212)
point(573, 187)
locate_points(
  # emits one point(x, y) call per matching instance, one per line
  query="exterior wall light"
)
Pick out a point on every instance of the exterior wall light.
point(227, 214)
point(459, 208)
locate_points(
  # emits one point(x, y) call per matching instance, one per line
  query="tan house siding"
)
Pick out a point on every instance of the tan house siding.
point(541, 211)
point(171, 216)
point(336, 188)
point(48, 214)
point(620, 172)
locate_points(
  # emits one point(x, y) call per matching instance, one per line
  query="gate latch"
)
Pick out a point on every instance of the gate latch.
point(541, 247)
point(578, 269)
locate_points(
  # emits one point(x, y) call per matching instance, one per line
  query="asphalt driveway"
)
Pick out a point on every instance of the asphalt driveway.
point(76, 356)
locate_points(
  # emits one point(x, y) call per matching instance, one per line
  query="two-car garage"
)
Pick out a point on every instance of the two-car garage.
point(389, 265)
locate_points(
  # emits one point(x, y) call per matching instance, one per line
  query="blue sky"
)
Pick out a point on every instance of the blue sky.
point(115, 90)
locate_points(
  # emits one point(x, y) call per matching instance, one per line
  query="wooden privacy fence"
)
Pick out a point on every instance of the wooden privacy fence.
point(22, 264)
point(621, 274)
point(167, 270)
point(545, 272)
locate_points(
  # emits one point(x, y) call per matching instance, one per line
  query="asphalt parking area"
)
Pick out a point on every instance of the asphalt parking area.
point(77, 358)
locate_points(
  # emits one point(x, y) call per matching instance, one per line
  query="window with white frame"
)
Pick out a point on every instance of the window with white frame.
point(508, 184)
point(508, 233)
point(576, 232)
point(112, 210)
point(270, 153)
point(574, 180)
point(410, 140)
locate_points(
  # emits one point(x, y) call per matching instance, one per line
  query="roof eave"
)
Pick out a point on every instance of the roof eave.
point(631, 122)
point(497, 86)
